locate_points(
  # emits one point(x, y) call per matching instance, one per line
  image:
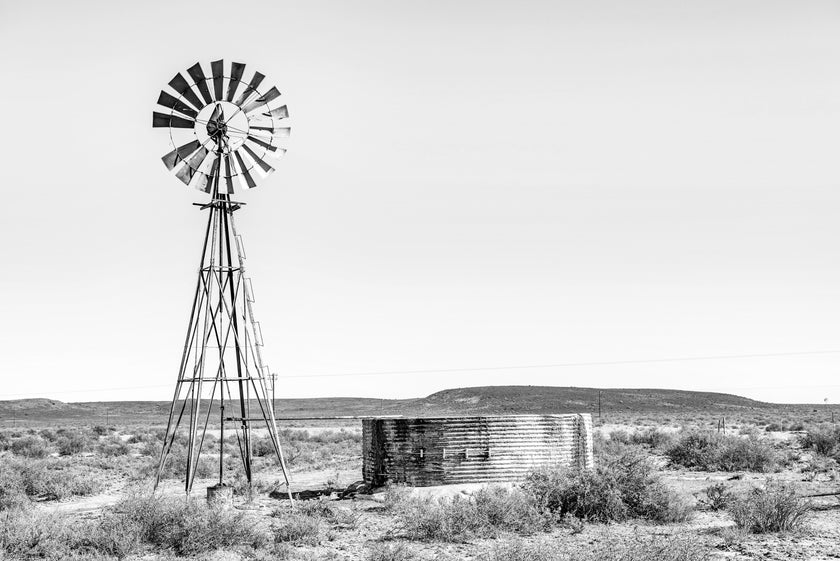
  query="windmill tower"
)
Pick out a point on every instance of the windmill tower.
point(223, 130)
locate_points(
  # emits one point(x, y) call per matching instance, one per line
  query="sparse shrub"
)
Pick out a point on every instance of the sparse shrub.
point(489, 511)
point(176, 463)
point(717, 496)
point(607, 449)
point(297, 529)
point(337, 516)
point(819, 465)
point(510, 510)
point(71, 443)
point(774, 508)
point(652, 437)
point(113, 446)
point(824, 440)
point(627, 487)
point(694, 449)
point(394, 496)
point(748, 454)
point(12, 490)
point(99, 430)
point(186, 527)
point(709, 451)
point(390, 552)
point(143, 436)
point(48, 435)
point(621, 436)
point(29, 447)
point(262, 447)
point(53, 479)
point(31, 534)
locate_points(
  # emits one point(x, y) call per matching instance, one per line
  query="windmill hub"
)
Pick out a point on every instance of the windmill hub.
point(223, 125)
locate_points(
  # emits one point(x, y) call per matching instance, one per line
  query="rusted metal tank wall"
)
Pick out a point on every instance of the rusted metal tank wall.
point(448, 450)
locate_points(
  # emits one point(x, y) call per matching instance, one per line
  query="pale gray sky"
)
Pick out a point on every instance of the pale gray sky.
point(469, 184)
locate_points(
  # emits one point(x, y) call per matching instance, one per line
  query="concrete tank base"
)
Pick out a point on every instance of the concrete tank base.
point(433, 451)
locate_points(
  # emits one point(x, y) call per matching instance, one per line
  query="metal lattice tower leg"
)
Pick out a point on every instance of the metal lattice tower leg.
point(222, 373)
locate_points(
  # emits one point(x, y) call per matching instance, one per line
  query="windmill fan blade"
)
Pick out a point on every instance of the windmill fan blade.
point(244, 171)
point(185, 174)
point(180, 85)
point(172, 102)
point(261, 142)
point(218, 67)
point(174, 121)
point(270, 95)
point(283, 132)
point(197, 74)
point(173, 158)
point(252, 87)
point(203, 182)
point(279, 113)
point(265, 167)
point(190, 167)
point(236, 71)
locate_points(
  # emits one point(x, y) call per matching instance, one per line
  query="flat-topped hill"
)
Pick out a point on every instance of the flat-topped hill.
point(461, 401)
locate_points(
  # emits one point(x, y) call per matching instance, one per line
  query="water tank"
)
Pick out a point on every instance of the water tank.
point(495, 448)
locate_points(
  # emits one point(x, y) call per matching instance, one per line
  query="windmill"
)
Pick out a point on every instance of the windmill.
point(223, 131)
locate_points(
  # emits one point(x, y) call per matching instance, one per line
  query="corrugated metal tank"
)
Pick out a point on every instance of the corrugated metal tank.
point(448, 450)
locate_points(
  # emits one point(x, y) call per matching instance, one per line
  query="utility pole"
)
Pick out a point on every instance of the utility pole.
point(273, 385)
point(599, 407)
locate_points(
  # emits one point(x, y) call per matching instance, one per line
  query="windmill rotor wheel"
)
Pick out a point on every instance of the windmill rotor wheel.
point(223, 129)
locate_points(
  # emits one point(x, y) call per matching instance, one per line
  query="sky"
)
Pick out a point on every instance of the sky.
point(475, 193)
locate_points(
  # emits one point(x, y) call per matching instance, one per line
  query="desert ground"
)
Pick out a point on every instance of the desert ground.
point(669, 485)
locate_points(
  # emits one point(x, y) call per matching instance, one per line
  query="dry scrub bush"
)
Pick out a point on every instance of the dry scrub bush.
point(176, 462)
point(709, 451)
point(50, 479)
point(625, 487)
point(134, 526)
point(336, 516)
point(486, 513)
point(621, 436)
point(824, 440)
point(774, 508)
point(113, 446)
point(652, 437)
point(29, 447)
point(718, 496)
point(12, 489)
point(71, 443)
point(296, 528)
point(302, 449)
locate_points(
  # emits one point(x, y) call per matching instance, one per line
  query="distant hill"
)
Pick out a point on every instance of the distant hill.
point(462, 401)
